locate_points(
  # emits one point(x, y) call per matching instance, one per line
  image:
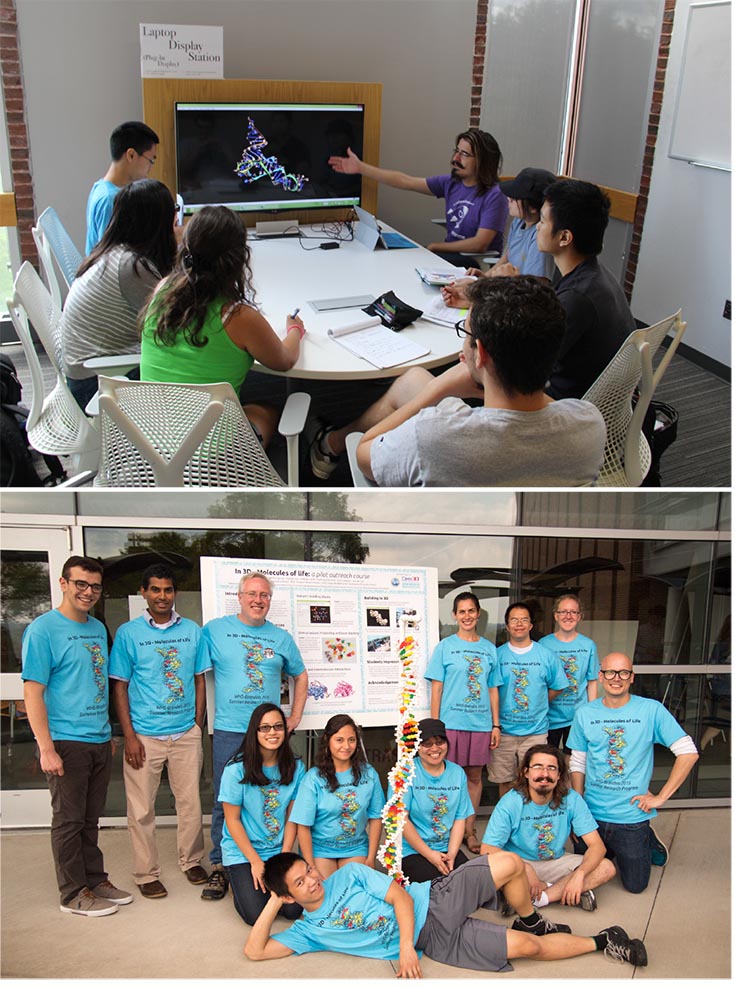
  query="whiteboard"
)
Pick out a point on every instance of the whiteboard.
point(701, 130)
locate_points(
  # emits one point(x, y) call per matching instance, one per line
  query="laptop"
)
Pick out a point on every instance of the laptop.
point(369, 232)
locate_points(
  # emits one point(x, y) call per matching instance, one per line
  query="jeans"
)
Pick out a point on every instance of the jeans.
point(249, 901)
point(629, 846)
point(224, 745)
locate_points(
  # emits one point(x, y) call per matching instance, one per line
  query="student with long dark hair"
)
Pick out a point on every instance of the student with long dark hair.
point(257, 790)
point(203, 326)
point(116, 280)
point(338, 806)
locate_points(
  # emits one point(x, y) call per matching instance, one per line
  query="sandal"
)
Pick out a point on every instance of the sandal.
point(470, 839)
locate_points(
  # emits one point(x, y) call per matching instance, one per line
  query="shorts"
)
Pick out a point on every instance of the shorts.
point(552, 870)
point(508, 756)
point(468, 748)
point(450, 935)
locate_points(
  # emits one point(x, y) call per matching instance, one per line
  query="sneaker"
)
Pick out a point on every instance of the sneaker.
point(88, 905)
point(217, 886)
point(541, 927)
point(621, 948)
point(106, 891)
point(659, 851)
point(322, 464)
point(588, 900)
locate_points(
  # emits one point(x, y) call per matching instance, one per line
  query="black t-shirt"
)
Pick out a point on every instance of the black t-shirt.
point(598, 321)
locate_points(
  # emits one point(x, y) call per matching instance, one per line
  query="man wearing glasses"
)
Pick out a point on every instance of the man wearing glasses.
point(67, 697)
point(248, 655)
point(534, 820)
point(157, 666)
point(612, 743)
point(133, 147)
point(532, 676)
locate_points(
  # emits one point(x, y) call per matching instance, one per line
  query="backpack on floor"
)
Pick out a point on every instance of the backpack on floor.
point(17, 468)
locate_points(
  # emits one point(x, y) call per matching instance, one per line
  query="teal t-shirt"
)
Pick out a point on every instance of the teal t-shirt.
point(99, 210)
point(524, 695)
point(466, 670)
point(263, 810)
point(247, 662)
point(70, 659)
point(338, 819)
point(159, 666)
point(537, 832)
point(434, 803)
point(619, 745)
point(354, 917)
point(581, 665)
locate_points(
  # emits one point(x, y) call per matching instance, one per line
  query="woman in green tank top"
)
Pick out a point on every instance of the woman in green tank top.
point(202, 325)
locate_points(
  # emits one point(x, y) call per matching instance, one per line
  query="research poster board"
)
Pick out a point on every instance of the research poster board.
point(346, 620)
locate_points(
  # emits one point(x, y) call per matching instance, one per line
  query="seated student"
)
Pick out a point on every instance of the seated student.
point(534, 820)
point(572, 223)
point(133, 147)
point(257, 791)
point(115, 282)
point(438, 804)
point(420, 433)
point(476, 210)
point(362, 912)
point(202, 325)
point(339, 804)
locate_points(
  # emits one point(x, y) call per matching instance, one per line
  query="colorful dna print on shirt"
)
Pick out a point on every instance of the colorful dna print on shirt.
point(271, 804)
point(171, 663)
point(571, 668)
point(255, 165)
point(615, 761)
point(438, 811)
point(520, 697)
point(98, 666)
point(544, 840)
point(355, 920)
point(347, 822)
point(474, 674)
point(254, 656)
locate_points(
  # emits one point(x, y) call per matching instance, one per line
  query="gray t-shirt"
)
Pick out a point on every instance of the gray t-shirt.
point(101, 310)
point(454, 445)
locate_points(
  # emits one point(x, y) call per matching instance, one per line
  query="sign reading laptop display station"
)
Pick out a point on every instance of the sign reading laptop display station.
point(346, 620)
point(181, 51)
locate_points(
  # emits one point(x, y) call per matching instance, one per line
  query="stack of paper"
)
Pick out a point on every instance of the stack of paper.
point(375, 343)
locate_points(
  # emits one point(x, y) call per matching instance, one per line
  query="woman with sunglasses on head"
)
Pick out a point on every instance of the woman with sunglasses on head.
point(578, 656)
point(339, 805)
point(438, 805)
point(257, 791)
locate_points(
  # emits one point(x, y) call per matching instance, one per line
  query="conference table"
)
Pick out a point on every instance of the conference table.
point(287, 277)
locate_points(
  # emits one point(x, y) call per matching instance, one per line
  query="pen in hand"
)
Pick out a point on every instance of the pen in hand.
point(295, 313)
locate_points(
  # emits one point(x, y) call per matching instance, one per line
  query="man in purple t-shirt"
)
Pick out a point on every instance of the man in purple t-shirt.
point(476, 209)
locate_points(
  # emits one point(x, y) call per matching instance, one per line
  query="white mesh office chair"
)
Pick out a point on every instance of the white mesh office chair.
point(53, 242)
point(358, 478)
point(175, 435)
point(627, 454)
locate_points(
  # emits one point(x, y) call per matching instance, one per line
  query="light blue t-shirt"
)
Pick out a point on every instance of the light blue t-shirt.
point(70, 659)
point(434, 803)
point(99, 210)
point(522, 251)
point(619, 745)
point(467, 670)
point(159, 665)
point(581, 665)
point(524, 695)
point(537, 832)
point(354, 917)
point(338, 820)
point(247, 662)
point(263, 810)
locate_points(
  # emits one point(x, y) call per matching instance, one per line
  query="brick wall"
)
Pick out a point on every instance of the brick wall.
point(12, 84)
point(478, 62)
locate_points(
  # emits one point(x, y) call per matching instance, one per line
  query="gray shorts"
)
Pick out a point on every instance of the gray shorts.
point(450, 935)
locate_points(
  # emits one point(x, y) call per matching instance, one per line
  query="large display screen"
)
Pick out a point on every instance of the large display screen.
point(266, 156)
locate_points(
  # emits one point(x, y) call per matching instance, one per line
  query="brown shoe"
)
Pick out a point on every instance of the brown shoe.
point(197, 875)
point(153, 890)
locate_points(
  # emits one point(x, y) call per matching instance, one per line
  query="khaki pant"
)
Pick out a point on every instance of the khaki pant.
point(183, 759)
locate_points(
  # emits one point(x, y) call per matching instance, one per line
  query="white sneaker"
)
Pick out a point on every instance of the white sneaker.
point(88, 905)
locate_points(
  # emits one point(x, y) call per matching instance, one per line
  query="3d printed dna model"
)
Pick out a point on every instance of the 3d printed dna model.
point(401, 776)
point(255, 165)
